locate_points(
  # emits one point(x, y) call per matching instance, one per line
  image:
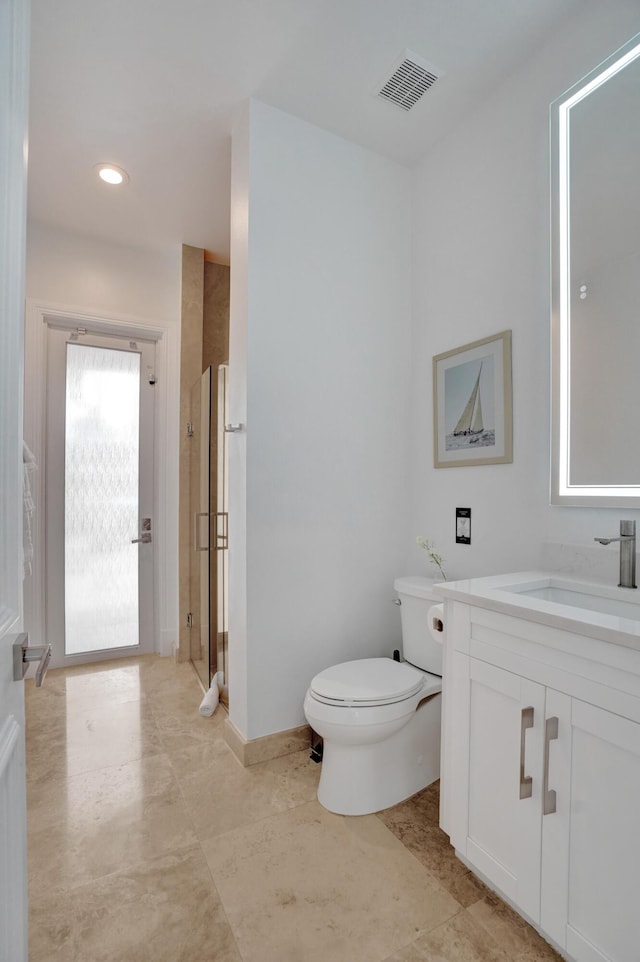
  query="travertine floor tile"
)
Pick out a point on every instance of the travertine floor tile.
point(67, 690)
point(163, 910)
point(308, 885)
point(199, 756)
point(182, 687)
point(459, 939)
point(155, 669)
point(99, 822)
point(415, 823)
point(126, 780)
point(92, 738)
point(222, 795)
point(411, 953)
point(175, 712)
point(519, 940)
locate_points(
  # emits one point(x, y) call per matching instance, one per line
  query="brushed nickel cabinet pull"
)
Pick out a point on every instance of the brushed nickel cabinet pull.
point(526, 782)
point(548, 795)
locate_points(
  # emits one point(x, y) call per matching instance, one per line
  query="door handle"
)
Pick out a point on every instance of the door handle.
point(145, 532)
point(23, 654)
point(196, 531)
point(548, 795)
point(221, 534)
point(526, 782)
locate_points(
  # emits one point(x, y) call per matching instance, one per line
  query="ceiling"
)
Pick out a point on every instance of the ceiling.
point(152, 85)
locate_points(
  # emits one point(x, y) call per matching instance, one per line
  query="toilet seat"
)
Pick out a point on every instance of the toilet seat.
point(369, 682)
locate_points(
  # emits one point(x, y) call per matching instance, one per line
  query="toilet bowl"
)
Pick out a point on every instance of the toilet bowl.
point(379, 718)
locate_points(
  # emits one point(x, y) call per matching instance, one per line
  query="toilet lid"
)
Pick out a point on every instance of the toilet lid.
point(367, 682)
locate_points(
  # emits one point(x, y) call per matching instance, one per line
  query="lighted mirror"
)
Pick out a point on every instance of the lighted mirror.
point(596, 286)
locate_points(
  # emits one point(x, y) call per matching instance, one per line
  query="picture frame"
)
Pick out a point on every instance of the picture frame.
point(472, 404)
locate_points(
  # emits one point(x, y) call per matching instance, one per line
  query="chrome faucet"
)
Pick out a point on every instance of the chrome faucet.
point(627, 541)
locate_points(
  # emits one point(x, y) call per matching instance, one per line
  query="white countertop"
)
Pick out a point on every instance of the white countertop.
point(502, 593)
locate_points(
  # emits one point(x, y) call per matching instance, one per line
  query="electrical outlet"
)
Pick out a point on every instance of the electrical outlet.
point(463, 525)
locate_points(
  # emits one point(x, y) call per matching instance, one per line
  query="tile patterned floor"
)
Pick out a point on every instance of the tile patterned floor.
point(149, 841)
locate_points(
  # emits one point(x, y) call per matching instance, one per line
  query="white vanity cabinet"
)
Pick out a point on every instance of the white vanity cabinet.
point(540, 720)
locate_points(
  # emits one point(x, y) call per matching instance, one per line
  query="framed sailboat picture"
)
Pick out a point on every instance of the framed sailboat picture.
point(472, 403)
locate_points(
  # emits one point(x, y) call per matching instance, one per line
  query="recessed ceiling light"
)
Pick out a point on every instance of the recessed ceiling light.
point(111, 174)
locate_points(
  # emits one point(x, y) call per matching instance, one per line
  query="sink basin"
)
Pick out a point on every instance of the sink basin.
point(570, 603)
point(620, 602)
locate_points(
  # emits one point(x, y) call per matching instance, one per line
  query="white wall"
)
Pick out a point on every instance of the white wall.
point(237, 441)
point(79, 274)
point(74, 270)
point(480, 266)
point(321, 348)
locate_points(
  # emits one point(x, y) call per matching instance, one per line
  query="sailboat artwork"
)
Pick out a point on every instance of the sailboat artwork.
point(470, 430)
point(471, 418)
point(472, 404)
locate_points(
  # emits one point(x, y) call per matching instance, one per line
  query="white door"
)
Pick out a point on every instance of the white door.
point(591, 847)
point(506, 733)
point(13, 821)
point(99, 496)
point(14, 46)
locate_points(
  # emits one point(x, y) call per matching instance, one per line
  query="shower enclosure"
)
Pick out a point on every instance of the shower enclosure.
point(208, 492)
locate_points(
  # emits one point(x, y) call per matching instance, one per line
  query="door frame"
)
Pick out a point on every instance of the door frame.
point(14, 77)
point(165, 506)
point(58, 342)
point(14, 47)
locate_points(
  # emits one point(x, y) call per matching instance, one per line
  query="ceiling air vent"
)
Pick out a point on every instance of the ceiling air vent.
point(410, 79)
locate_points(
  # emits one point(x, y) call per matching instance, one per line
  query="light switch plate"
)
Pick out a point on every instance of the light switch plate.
point(463, 525)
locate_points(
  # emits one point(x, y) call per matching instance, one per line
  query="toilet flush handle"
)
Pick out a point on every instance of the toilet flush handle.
point(397, 601)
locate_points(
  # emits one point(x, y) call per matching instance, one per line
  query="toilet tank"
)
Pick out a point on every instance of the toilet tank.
point(416, 597)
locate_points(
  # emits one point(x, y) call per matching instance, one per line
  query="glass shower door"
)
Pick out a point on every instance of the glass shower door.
point(208, 498)
point(220, 639)
point(199, 500)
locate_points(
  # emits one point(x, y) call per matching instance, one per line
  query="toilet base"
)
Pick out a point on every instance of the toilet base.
point(361, 779)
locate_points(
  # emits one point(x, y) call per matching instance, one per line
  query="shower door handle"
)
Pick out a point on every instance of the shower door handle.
point(196, 531)
point(221, 530)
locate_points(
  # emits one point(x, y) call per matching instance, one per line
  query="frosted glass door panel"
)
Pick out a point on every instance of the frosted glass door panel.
point(102, 456)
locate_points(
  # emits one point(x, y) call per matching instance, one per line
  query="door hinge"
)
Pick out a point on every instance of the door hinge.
point(189, 620)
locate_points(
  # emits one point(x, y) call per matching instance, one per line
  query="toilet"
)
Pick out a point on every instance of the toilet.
point(380, 718)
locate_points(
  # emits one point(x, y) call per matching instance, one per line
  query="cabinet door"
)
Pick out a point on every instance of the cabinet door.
point(595, 873)
point(506, 729)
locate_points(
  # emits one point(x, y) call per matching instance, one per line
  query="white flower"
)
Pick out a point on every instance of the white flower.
point(434, 556)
